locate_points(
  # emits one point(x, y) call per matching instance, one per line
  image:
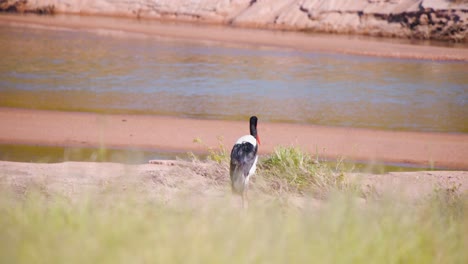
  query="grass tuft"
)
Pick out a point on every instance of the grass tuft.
point(291, 169)
point(218, 154)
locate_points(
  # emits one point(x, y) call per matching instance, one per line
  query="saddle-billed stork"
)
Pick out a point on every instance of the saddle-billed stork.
point(244, 161)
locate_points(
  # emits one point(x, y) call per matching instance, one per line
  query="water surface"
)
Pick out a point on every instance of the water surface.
point(55, 154)
point(114, 72)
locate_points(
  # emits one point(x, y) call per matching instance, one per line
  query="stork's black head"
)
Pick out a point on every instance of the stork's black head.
point(253, 128)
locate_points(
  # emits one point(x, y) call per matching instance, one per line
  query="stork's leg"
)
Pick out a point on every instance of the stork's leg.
point(245, 203)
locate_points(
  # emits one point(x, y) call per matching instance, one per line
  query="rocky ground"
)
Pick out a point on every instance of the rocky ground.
point(419, 19)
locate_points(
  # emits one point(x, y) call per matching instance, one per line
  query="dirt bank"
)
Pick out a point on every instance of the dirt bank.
point(422, 19)
point(36, 127)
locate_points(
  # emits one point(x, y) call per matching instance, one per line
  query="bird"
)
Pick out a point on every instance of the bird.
point(244, 161)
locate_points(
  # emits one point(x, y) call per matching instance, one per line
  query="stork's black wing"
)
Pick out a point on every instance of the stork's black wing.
point(243, 157)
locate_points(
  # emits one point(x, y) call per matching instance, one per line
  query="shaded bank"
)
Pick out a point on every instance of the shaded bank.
point(420, 19)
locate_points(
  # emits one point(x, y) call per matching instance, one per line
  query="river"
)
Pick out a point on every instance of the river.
point(114, 72)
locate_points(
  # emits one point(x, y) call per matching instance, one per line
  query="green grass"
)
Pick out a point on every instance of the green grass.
point(291, 169)
point(41, 229)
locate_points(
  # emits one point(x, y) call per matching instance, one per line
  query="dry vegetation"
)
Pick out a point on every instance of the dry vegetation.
point(302, 210)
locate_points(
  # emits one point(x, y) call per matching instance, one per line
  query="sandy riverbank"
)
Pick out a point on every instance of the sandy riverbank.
point(54, 128)
point(196, 184)
point(238, 36)
point(82, 212)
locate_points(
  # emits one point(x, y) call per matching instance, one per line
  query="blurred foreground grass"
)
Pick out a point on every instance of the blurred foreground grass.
point(44, 229)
